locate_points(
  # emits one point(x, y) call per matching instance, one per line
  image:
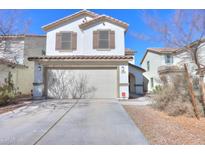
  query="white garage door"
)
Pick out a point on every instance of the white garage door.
point(83, 83)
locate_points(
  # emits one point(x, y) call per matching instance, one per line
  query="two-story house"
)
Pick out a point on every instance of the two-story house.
point(90, 47)
point(159, 62)
point(14, 53)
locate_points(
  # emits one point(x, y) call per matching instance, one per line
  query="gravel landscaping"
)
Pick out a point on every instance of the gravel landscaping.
point(160, 128)
point(13, 106)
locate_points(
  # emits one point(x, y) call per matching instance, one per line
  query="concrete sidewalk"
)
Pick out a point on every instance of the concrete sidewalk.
point(144, 100)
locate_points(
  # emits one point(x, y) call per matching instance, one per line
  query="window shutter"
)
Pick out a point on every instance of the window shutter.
point(74, 41)
point(95, 39)
point(58, 41)
point(166, 59)
point(112, 39)
point(172, 59)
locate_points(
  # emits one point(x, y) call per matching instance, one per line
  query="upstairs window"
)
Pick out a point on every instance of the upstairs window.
point(148, 65)
point(168, 59)
point(66, 41)
point(103, 39)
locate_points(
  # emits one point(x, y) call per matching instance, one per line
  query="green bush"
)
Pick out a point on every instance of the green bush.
point(7, 91)
point(157, 89)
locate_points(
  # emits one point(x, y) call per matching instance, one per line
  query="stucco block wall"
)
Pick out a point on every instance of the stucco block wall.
point(4, 73)
point(16, 75)
point(25, 47)
point(33, 46)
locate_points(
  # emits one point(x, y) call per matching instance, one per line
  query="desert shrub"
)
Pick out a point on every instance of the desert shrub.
point(7, 91)
point(173, 98)
point(157, 89)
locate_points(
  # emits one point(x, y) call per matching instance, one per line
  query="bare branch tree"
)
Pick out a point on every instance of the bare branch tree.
point(12, 23)
point(182, 29)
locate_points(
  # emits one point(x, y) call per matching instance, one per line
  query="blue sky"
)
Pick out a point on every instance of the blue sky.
point(132, 17)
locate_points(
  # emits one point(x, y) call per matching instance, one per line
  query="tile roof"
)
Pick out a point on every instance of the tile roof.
point(129, 52)
point(96, 18)
point(69, 18)
point(21, 36)
point(137, 67)
point(81, 57)
point(104, 18)
point(163, 50)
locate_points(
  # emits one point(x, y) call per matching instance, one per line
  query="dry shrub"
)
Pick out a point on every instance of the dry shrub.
point(173, 98)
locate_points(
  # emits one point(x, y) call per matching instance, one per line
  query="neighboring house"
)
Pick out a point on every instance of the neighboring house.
point(15, 59)
point(89, 46)
point(162, 61)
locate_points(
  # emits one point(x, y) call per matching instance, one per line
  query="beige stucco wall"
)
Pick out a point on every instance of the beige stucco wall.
point(4, 73)
point(4, 69)
point(24, 76)
point(33, 47)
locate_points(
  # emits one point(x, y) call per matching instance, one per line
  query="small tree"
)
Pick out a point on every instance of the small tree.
point(11, 23)
point(7, 91)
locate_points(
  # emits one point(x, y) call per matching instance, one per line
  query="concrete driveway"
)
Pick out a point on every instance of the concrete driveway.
point(87, 122)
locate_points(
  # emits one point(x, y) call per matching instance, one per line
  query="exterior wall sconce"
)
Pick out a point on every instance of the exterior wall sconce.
point(39, 67)
point(123, 69)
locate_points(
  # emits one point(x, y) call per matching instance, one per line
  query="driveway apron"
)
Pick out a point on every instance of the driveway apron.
point(88, 122)
point(95, 123)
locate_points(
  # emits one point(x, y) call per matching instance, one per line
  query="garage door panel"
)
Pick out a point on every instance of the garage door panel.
point(100, 83)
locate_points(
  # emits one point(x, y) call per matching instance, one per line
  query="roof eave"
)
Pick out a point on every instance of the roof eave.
point(101, 19)
point(67, 18)
point(137, 67)
point(82, 58)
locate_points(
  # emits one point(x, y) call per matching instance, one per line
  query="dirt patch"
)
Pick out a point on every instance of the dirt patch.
point(159, 128)
point(18, 103)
